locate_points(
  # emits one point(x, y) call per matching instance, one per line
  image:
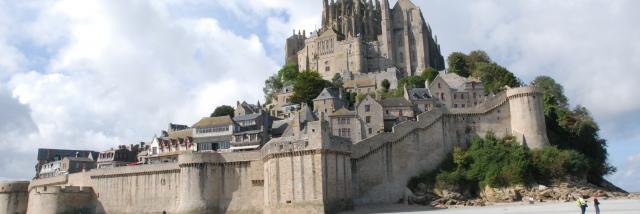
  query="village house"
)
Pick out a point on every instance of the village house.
point(118, 157)
point(454, 91)
point(252, 130)
point(214, 133)
point(47, 156)
point(68, 165)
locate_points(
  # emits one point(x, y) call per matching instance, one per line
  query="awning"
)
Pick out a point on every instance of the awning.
point(244, 147)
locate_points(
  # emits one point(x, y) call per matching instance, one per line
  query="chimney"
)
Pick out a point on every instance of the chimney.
point(77, 154)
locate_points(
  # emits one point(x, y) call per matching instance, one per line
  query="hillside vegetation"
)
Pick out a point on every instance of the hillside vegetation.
point(577, 150)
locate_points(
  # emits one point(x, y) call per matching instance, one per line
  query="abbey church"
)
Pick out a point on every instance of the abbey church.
point(364, 40)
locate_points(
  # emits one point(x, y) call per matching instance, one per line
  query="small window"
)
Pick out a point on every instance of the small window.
point(461, 96)
point(367, 108)
point(455, 105)
point(370, 130)
point(439, 85)
point(368, 119)
point(442, 96)
point(462, 105)
point(455, 96)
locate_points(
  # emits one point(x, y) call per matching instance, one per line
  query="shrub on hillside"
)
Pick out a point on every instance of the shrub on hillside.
point(552, 162)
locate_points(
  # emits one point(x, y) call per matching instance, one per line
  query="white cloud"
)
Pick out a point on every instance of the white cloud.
point(121, 70)
point(628, 174)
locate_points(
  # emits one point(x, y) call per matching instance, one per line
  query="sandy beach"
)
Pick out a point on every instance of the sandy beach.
point(615, 206)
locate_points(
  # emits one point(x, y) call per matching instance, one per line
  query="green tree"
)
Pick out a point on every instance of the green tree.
point(553, 92)
point(223, 110)
point(574, 129)
point(288, 74)
point(386, 85)
point(459, 64)
point(476, 57)
point(308, 86)
point(494, 77)
point(429, 74)
point(272, 85)
point(336, 81)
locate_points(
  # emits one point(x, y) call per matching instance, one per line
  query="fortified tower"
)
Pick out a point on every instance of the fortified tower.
point(527, 117)
point(13, 196)
point(311, 174)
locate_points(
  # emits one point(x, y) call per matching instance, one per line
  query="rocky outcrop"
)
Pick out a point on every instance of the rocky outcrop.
point(560, 190)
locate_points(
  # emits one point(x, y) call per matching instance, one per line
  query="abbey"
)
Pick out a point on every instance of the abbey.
point(360, 39)
point(298, 158)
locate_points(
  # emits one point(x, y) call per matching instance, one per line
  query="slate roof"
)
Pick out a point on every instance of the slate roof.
point(213, 121)
point(395, 102)
point(83, 159)
point(181, 134)
point(419, 94)
point(49, 154)
point(328, 93)
point(453, 80)
point(246, 117)
point(343, 112)
point(279, 126)
point(178, 126)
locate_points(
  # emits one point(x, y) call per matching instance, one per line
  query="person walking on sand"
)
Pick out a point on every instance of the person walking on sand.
point(596, 203)
point(582, 204)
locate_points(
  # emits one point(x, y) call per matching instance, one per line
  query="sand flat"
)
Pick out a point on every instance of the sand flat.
point(617, 206)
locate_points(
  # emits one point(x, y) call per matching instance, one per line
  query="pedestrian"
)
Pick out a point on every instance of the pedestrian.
point(596, 203)
point(582, 204)
point(531, 201)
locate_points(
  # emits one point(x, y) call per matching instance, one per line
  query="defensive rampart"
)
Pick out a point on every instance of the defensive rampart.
point(384, 163)
point(13, 197)
point(309, 172)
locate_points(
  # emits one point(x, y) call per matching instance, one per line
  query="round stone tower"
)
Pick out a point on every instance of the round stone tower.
point(527, 117)
point(14, 196)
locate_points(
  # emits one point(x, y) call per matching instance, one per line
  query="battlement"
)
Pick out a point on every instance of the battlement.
point(13, 186)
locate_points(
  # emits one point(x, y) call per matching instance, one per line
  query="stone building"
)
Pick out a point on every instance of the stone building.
point(345, 123)
point(67, 166)
point(454, 91)
point(121, 156)
point(215, 133)
point(371, 113)
point(50, 155)
point(252, 131)
point(281, 105)
point(328, 101)
point(359, 37)
point(421, 99)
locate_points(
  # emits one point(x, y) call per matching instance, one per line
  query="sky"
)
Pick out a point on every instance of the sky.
point(90, 74)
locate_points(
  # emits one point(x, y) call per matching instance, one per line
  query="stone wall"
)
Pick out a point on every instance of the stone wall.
point(13, 197)
point(309, 172)
point(61, 199)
